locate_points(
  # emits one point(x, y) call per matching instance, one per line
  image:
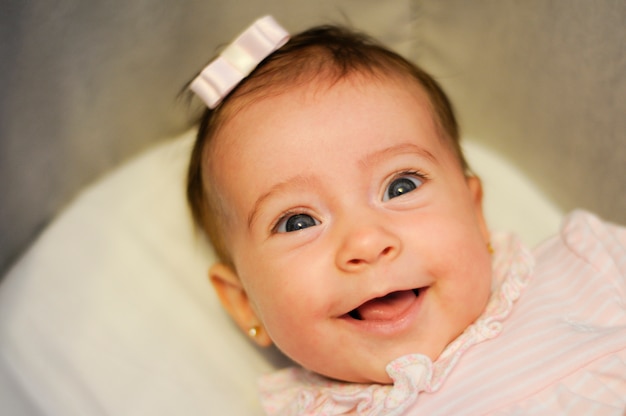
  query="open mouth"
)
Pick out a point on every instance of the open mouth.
point(385, 308)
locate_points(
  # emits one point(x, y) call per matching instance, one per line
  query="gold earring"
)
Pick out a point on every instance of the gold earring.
point(254, 331)
point(490, 248)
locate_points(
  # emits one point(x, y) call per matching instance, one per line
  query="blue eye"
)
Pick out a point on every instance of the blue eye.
point(402, 185)
point(296, 222)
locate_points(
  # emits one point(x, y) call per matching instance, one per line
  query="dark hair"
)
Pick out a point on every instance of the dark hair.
point(324, 51)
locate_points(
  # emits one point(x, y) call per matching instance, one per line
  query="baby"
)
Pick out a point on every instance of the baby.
point(329, 177)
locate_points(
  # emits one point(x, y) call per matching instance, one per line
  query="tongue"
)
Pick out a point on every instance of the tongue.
point(386, 308)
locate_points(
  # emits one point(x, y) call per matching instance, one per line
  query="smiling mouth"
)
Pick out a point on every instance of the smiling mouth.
point(385, 308)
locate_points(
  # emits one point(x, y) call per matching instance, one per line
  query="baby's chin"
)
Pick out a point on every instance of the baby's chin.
point(374, 373)
point(376, 377)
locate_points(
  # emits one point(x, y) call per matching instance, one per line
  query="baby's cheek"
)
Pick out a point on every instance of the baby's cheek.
point(280, 310)
point(289, 316)
point(287, 334)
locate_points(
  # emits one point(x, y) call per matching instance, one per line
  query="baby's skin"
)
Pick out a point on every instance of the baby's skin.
point(355, 235)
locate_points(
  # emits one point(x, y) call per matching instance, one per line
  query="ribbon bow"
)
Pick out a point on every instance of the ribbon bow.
point(239, 58)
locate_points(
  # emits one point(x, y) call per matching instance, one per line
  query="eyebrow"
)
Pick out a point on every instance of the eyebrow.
point(402, 148)
point(368, 160)
point(276, 189)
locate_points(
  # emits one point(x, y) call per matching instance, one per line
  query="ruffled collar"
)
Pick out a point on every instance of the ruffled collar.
point(296, 391)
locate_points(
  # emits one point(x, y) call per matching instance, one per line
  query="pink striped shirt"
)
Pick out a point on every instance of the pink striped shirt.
point(558, 349)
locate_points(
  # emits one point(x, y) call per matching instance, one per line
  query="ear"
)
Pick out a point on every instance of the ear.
point(235, 300)
point(476, 191)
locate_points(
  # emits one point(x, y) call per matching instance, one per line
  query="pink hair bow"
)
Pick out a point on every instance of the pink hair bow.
point(239, 58)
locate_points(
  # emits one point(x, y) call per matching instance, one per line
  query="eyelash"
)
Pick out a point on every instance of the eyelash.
point(423, 176)
point(285, 215)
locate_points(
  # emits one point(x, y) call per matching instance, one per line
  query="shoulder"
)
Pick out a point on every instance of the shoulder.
point(586, 238)
point(582, 229)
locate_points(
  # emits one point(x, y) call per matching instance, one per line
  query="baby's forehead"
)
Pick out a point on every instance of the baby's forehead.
point(243, 110)
point(315, 84)
point(306, 105)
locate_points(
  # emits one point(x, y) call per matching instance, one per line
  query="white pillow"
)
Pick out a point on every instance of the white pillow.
point(110, 311)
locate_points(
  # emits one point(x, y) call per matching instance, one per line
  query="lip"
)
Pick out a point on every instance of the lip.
point(389, 327)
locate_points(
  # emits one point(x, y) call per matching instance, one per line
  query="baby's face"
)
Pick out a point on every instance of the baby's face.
point(352, 228)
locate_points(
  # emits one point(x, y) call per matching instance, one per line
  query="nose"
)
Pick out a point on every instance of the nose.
point(366, 244)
